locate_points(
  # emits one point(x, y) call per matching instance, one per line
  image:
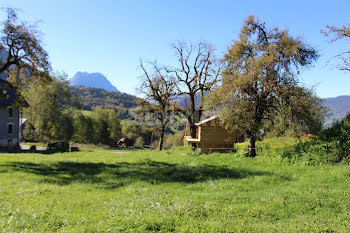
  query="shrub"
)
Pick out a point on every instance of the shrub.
point(332, 145)
point(194, 152)
point(58, 146)
point(242, 152)
point(139, 142)
point(173, 140)
point(312, 152)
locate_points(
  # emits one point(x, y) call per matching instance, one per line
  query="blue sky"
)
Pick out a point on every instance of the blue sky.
point(110, 36)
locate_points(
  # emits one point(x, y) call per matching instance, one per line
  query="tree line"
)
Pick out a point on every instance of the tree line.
point(54, 115)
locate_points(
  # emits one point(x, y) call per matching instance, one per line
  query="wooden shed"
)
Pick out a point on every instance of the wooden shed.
point(211, 136)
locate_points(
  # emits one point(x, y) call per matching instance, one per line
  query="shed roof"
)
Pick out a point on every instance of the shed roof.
point(206, 120)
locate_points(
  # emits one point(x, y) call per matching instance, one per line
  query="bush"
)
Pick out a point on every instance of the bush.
point(139, 142)
point(58, 146)
point(173, 140)
point(312, 152)
point(242, 152)
point(330, 146)
point(155, 144)
point(194, 152)
point(269, 147)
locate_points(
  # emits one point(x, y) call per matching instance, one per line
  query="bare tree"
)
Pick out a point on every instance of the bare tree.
point(197, 72)
point(339, 33)
point(21, 49)
point(158, 90)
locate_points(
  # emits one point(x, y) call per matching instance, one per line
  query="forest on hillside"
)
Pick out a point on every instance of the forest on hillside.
point(92, 97)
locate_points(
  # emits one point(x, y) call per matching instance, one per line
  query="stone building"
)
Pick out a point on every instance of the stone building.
point(10, 132)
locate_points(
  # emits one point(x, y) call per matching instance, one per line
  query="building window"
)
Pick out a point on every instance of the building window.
point(9, 128)
point(10, 112)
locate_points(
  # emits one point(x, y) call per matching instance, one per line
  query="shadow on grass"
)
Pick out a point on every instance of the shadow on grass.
point(119, 174)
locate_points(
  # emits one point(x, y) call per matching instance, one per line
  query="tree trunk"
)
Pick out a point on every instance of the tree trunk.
point(251, 146)
point(161, 138)
point(193, 117)
point(200, 111)
point(193, 135)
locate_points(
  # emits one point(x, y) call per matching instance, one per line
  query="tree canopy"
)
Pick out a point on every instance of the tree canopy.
point(52, 116)
point(197, 72)
point(49, 111)
point(158, 89)
point(21, 48)
point(338, 33)
point(260, 80)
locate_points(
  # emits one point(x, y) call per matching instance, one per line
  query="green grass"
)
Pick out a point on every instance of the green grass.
point(170, 191)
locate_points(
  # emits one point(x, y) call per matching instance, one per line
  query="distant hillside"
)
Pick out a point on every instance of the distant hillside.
point(338, 106)
point(122, 102)
point(95, 80)
point(92, 97)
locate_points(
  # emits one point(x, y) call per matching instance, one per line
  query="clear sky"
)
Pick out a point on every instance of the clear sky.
point(110, 36)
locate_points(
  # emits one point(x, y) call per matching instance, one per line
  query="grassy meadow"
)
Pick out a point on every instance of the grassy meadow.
point(100, 190)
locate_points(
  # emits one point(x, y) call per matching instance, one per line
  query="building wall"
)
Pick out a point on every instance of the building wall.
point(215, 138)
point(215, 134)
point(5, 120)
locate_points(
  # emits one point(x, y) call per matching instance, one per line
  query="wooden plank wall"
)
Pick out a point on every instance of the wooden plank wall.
point(213, 132)
point(213, 135)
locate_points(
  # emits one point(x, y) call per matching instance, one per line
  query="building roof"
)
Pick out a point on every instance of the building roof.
point(206, 120)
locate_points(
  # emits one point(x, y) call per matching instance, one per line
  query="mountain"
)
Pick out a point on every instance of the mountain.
point(93, 97)
point(95, 80)
point(338, 107)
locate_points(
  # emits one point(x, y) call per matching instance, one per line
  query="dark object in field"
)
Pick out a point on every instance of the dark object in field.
point(125, 142)
point(148, 147)
point(58, 146)
point(32, 148)
point(74, 148)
